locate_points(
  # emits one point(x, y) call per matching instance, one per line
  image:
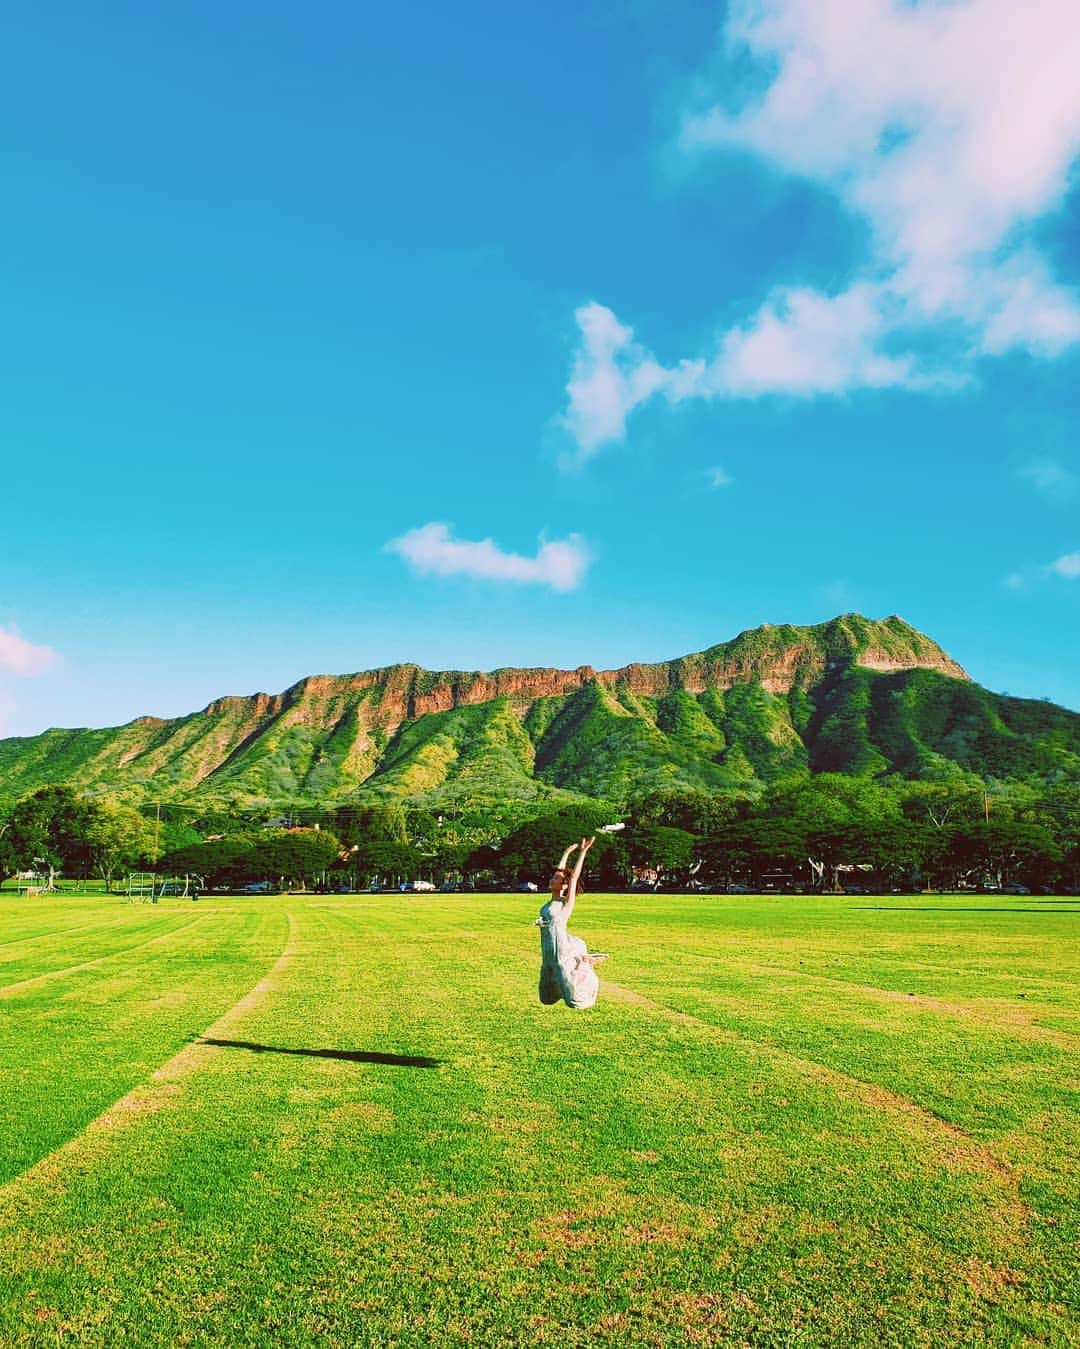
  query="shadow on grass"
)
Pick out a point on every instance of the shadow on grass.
point(349, 1055)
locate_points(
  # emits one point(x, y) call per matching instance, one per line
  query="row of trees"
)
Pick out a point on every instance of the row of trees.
point(824, 832)
point(55, 831)
point(293, 858)
point(821, 832)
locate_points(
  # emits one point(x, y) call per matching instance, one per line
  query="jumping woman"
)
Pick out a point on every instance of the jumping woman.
point(567, 970)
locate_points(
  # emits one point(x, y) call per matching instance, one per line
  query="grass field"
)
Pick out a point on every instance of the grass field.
point(348, 1121)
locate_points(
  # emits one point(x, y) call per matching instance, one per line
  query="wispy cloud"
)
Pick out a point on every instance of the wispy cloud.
point(718, 477)
point(20, 657)
point(950, 128)
point(1068, 566)
point(841, 596)
point(431, 551)
point(1049, 477)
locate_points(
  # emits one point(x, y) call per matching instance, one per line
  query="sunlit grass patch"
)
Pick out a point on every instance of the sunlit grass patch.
point(389, 1140)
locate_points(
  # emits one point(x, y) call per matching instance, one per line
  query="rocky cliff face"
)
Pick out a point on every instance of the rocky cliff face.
point(851, 695)
point(779, 658)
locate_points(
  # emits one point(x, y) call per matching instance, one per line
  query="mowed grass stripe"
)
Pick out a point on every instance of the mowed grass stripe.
point(30, 915)
point(114, 925)
point(628, 1175)
point(41, 918)
point(81, 1151)
point(68, 1050)
point(1005, 1016)
point(1020, 1018)
point(173, 928)
point(957, 1149)
point(43, 934)
point(912, 1048)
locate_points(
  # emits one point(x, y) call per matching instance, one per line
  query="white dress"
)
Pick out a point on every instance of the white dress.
point(564, 970)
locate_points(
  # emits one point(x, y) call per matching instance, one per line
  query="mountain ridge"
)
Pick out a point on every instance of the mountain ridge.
point(852, 695)
point(641, 677)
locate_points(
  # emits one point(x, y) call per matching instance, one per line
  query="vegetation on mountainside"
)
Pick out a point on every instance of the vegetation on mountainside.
point(869, 699)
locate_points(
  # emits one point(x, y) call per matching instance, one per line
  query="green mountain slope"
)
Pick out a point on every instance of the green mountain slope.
point(853, 695)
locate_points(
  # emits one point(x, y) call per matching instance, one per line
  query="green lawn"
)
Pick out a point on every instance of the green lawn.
point(807, 1121)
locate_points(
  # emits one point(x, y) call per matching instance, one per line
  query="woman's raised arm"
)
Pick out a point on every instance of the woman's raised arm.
point(575, 875)
point(558, 877)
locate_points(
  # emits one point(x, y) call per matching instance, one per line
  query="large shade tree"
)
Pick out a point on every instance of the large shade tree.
point(47, 831)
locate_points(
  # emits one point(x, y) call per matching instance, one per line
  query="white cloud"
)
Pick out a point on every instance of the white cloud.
point(611, 376)
point(1067, 566)
point(1014, 581)
point(718, 477)
point(18, 656)
point(430, 550)
point(802, 342)
point(950, 127)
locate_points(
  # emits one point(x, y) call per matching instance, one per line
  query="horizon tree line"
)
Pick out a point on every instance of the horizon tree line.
point(808, 832)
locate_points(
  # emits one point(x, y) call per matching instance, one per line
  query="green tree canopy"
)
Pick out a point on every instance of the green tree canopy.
point(297, 855)
point(668, 851)
point(700, 813)
point(530, 851)
point(117, 837)
point(48, 828)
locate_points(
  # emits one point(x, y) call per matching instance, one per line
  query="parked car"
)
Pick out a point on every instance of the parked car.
point(526, 888)
point(737, 888)
point(415, 887)
point(1015, 890)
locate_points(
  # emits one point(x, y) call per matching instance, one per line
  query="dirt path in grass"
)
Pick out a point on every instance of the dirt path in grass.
point(9, 989)
point(79, 1153)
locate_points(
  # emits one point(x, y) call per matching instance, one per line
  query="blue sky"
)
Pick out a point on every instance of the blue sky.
point(490, 335)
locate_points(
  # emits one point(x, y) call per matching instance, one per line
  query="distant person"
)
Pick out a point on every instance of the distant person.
point(567, 970)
